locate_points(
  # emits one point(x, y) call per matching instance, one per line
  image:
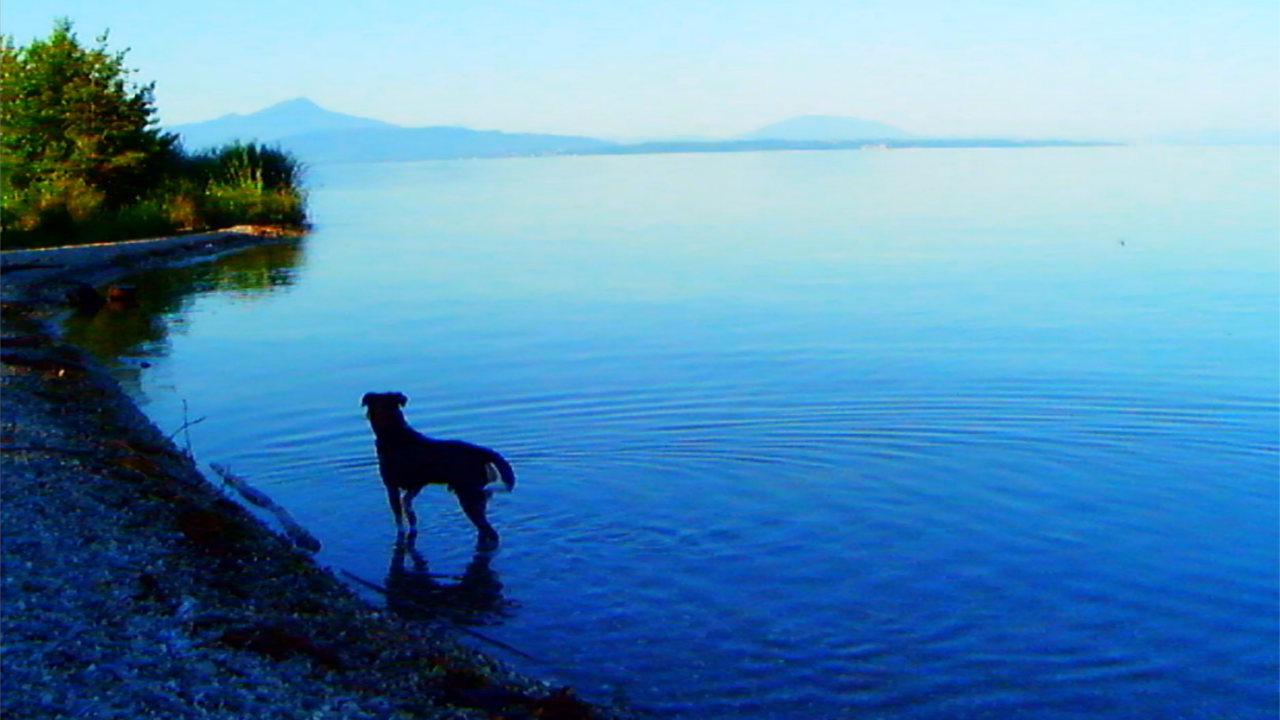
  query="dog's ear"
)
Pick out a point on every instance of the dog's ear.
point(400, 398)
point(364, 401)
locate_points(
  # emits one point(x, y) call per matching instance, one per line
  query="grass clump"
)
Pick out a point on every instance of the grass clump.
point(247, 183)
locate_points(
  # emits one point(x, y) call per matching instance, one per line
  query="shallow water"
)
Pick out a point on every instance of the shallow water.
point(916, 434)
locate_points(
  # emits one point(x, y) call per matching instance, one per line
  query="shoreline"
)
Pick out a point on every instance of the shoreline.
point(35, 274)
point(132, 587)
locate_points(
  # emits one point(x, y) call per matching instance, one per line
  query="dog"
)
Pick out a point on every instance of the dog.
point(409, 461)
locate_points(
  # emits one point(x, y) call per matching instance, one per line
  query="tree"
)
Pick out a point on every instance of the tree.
point(79, 137)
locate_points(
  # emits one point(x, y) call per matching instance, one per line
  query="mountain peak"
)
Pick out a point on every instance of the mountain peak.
point(298, 103)
point(291, 117)
point(294, 109)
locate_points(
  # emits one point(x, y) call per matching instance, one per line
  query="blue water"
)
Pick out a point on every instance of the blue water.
point(908, 434)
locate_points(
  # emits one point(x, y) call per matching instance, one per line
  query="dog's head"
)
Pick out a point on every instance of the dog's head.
point(384, 409)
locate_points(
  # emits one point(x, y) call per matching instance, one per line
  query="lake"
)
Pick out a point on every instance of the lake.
point(891, 434)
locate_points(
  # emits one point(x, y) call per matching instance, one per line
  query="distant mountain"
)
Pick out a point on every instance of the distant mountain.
point(1224, 137)
point(733, 146)
point(316, 135)
point(828, 128)
point(432, 143)
point(292, 117)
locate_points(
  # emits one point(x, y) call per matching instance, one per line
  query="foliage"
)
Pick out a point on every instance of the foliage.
point(250, 183)
point(76, 135)
point(83, 160)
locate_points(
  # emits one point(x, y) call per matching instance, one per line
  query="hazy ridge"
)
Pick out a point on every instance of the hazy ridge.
point(317, 135)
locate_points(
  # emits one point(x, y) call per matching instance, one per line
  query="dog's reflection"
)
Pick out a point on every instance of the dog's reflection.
point(473, 598)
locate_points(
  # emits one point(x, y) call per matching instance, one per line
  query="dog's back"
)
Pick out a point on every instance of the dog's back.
point(411, 461)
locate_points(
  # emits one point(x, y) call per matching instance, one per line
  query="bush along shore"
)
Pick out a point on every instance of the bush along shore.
point(134, 588)
point(83, 159)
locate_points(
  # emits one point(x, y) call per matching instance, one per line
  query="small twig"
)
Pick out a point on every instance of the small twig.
point(366, 583)
point(461, 628)
point(186, 426)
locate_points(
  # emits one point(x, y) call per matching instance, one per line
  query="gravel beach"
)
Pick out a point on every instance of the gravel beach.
point(134, 588)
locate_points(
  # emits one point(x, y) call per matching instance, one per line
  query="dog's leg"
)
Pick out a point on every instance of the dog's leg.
point(393, 497)
point(409, 495)
point(473, 502)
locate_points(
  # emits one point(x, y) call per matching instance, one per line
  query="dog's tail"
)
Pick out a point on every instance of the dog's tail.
point(499, 469)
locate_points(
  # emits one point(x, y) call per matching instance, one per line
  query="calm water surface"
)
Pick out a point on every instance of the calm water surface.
point(916, 434)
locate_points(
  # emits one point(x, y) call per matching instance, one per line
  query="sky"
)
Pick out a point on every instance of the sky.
point(1097, 69)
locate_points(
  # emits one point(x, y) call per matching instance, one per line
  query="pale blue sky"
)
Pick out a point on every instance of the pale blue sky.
point(1064, 68)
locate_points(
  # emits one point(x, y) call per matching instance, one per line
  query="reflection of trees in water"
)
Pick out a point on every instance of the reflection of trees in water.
point(117, 332)
point(473, 598)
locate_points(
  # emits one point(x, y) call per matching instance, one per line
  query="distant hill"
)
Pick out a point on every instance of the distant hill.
point(432, 143)
point(734, 146)
point(292, 117)
point(316, 135)
point(828, 128)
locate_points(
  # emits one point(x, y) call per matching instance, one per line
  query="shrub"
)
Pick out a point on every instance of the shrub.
point(249, 183)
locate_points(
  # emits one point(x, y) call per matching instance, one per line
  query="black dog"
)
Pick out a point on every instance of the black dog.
point(410, 460)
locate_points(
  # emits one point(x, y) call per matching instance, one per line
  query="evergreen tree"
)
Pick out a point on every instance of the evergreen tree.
point(79, 137)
